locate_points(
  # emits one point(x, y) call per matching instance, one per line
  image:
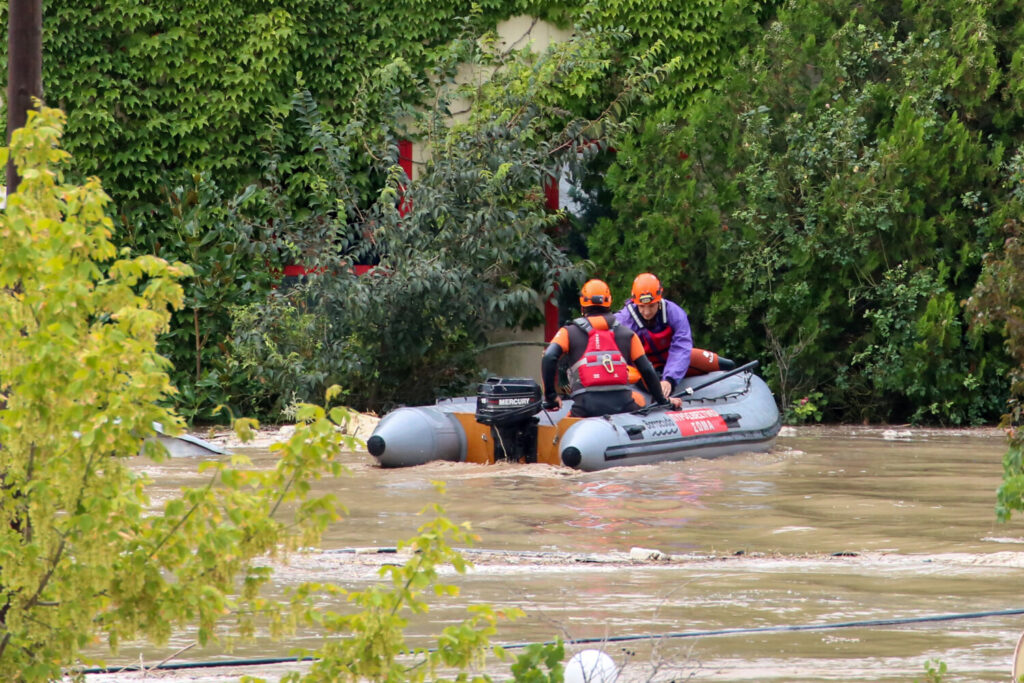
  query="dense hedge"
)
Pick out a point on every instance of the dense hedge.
point(176, 107)
point(827, 209)
point(816, 187)
point(155, 86)
point(151, 87)
point(461, 252)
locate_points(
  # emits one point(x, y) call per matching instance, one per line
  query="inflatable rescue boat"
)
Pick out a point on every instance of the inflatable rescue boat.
point(723, 412)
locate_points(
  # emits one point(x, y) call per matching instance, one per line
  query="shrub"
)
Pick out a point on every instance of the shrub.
point(84, 552)
point(465, 248)
point(828, 207)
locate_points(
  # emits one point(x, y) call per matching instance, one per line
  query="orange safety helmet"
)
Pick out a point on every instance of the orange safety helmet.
point(646, 289)
point(595, 293)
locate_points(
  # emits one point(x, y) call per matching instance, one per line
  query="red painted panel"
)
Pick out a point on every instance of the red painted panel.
point(405, 161)
point(297, 270)
point(698, 421)
point(551, 305)
point(551, 193)
point(550, 319)
point(405, 156)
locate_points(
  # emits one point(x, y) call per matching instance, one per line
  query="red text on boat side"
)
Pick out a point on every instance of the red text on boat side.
point(698, 421)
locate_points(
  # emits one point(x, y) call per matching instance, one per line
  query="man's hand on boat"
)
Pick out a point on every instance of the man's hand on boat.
point(676, 402)
point(553, 403)
point(666, 388)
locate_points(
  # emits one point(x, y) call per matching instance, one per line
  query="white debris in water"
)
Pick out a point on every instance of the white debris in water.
point(897, 435)
point(646, 555)
point(1002, 539)
point(360, 425)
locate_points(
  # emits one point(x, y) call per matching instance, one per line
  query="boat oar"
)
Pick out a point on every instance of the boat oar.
point(689, 391)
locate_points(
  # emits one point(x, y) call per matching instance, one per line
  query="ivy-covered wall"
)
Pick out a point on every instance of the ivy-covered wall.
point(178, 106)
point(151, 87)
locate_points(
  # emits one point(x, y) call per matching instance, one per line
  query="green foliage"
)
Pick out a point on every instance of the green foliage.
point(153, 87)
point(175, 109)
point(81, 554)
point(150, 87)
point(819, 193)
point(79, 382)
point(935, 671)
point(85, 554)
point(464, 249)
point(529, 666)
point(280, 351)
point(369, 644)
point(703, 36)
point(805, 409)
point(998, 302)
point(829, 205)
point(232, 257)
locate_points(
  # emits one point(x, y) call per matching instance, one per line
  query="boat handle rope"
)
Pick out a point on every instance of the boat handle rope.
point(686, 393)
point(689, 391)
point(867, 623)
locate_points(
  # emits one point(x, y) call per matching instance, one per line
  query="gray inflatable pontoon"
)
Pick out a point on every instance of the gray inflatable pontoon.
point(722, 413)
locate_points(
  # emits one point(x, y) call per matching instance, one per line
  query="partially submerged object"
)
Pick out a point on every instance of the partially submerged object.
point(186, 445)
point(722, 413)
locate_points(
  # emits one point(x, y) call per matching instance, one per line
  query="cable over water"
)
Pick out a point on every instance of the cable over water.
point(867, 623)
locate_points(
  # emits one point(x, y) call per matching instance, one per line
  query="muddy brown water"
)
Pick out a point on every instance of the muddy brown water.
point(833, 526)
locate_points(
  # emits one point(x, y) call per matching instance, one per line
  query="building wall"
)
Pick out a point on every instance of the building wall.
point(518, 351)
point(520, 359)
point(513, 34)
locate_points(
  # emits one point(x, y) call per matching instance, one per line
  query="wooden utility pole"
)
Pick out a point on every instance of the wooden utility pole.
point(24, 68)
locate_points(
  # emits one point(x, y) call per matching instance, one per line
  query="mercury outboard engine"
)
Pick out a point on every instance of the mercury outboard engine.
point(509, 406)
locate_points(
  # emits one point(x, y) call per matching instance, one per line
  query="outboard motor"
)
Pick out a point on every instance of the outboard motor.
point(509, 405)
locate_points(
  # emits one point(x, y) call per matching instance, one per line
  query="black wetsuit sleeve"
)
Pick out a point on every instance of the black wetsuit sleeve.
point(548, 366)
point(650, 377)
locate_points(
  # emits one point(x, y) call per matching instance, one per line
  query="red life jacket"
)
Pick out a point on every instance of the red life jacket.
point(656, 344)
point(602, 366)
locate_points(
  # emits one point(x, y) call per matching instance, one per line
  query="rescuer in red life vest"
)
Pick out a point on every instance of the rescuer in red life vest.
point(600, 352)
point(663, 329)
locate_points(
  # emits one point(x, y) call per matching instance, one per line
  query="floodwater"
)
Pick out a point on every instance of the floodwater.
point(840, 527)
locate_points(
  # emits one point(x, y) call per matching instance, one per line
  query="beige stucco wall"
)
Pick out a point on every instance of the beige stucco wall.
point(522, 360)
point(515, 33)
point(524, 31)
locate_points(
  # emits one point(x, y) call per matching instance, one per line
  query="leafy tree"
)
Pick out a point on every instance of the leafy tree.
point(998, 301)
point(174, 108)
point(82, 384)
point(233, 260)
point(703, 36)
point(465, 248)
point(84, 553)
point(827, 207)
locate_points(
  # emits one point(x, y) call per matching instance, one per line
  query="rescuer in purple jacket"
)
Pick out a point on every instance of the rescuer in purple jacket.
point(663, 328)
